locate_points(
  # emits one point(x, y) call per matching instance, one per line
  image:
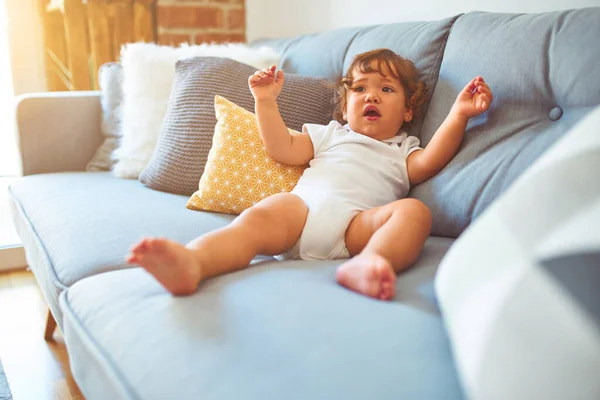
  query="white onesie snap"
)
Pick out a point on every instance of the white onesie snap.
point(349, 173)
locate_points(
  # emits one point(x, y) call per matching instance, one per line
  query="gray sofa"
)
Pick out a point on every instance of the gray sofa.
point(286, 330)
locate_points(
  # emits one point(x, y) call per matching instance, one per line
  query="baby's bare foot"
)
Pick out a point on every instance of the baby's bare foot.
point(371, 275)
point(173, 265)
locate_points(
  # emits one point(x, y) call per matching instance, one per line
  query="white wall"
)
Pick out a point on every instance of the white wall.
point(284, 18)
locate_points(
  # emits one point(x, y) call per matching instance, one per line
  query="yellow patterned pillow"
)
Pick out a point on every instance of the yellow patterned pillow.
point(239, 172)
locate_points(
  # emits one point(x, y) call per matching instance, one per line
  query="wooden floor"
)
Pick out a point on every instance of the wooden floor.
point(35, 369)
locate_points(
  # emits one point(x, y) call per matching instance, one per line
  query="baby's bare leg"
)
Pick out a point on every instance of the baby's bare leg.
point(270, 227)
point(384, 241)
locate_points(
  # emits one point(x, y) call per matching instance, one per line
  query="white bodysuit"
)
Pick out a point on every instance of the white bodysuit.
point(349, 173)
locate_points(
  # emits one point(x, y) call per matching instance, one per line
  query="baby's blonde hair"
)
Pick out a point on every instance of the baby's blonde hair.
point(401, 68)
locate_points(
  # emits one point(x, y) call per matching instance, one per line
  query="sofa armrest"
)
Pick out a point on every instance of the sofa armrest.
point(58, 131)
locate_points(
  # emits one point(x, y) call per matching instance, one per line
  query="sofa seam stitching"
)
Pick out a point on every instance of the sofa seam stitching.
point(440, 52)
point(345, 54)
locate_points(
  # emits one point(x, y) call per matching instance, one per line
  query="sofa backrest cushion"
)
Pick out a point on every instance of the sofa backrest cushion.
point(329, 54)
point(543, 72)
point(318, 55)
point(421, 42)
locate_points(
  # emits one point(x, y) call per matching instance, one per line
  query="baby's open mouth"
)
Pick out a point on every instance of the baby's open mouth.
point(371, 111)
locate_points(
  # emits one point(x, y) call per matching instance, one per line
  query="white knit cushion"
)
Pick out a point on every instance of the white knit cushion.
point(149, 71)
point(519, 289)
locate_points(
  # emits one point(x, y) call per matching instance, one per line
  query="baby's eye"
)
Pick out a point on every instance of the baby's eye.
point(388, 89)
point(358, 89)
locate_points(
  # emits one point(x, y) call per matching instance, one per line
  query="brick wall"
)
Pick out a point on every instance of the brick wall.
point(199, 21)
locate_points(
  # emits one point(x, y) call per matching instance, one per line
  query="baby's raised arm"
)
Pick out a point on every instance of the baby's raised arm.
point(289, 149)
point(473, 100)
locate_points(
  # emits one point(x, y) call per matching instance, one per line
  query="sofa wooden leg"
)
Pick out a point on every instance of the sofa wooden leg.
point(50, 327)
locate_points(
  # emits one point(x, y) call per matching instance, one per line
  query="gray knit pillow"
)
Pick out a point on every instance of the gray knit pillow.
point(186, 137)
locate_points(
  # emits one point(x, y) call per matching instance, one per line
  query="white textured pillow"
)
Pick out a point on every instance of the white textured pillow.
point(519, 289)
point(110, 78)
point(149, 71)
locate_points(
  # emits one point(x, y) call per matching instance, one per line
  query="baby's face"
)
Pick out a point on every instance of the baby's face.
point(376, 105)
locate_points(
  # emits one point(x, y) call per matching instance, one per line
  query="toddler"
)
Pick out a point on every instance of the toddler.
point(350, 202)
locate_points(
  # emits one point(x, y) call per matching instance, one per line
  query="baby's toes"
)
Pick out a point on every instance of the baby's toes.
point(139, 248)
point(156, 244)
point(388, 281)
point(387, 290)
point(147, 244)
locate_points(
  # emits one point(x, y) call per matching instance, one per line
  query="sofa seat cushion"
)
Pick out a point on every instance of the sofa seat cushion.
point(277, 330)
point(74, 225)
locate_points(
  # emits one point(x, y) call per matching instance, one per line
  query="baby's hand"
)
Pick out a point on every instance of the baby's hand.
point(474, 99)
point(265, 84)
